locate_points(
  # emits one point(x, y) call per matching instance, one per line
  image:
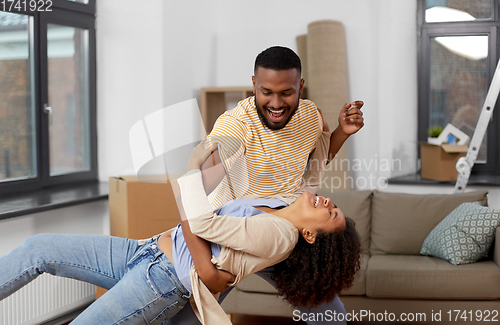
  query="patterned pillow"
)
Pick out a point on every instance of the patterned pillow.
point(464, 236)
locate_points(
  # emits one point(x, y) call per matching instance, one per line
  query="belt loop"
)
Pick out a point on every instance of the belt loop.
point(142, 242)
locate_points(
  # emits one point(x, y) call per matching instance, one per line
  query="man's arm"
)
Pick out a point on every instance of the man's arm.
point(318, 159)
point(350, 121)
point(212, 172)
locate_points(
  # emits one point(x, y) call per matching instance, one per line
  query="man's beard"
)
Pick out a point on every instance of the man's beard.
point(265, 121)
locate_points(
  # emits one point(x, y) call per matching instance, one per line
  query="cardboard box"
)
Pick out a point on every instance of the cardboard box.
point(140, 210)
point(439, 162)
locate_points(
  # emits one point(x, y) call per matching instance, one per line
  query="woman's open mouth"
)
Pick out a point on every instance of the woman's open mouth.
point(276, 115)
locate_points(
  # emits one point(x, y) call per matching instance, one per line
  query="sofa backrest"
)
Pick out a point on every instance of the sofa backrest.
point(401, 222)
point(355, 205)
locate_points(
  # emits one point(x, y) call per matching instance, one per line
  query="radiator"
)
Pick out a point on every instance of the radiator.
point(45, 298)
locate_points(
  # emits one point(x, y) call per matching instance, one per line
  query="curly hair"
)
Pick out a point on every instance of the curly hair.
point(315, 273)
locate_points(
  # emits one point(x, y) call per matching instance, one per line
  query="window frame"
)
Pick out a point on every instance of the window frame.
point(426, 31)
point(74, 15)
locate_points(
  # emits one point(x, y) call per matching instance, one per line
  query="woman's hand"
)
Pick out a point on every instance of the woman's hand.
point(219, 281)
point(198, 156)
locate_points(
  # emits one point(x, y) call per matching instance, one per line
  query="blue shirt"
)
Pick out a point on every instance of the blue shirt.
point(235, 208)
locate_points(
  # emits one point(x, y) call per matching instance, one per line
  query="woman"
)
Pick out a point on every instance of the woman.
point(251, 244)
point(145, 287)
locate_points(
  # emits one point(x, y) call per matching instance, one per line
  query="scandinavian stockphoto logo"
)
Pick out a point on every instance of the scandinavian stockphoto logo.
point(161, 143)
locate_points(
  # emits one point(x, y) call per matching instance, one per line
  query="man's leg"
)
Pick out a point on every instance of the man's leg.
point(97, 259)
point(187, 317)
point(335, 307)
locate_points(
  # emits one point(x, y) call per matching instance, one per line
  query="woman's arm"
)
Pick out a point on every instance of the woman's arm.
point(265, 236)
point(214, 279)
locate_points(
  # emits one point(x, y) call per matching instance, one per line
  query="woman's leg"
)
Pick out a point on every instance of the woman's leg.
point(97, 259)
point(149, 293)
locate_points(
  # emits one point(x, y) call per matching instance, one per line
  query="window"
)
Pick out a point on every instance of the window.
point(47, 94)
point(457, 58)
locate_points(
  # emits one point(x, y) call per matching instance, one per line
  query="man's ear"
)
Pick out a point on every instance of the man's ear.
point(253, 82)
point(308, 235)
point(301, 87)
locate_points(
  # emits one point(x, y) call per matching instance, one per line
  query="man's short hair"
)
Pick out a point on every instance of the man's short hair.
point(278, 58)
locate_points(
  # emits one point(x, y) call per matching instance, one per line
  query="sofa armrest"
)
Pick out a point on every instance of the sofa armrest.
point(496, 250)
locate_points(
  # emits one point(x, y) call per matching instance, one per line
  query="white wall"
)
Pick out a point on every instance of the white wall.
point(129, 76)
point(164, 53)
point(190, 49)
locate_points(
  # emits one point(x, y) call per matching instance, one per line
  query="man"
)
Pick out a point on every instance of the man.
point(264, 145)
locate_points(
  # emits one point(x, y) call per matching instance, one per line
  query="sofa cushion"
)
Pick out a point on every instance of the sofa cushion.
point(255, 283)
point(359, 285)
point(464, 236)
point(424, 277)
point(401, 222)
point(355, 205)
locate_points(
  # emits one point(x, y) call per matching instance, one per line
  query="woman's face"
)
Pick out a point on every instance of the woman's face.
point(318, 213)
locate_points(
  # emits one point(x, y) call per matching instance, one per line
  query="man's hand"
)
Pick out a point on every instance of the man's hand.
point(350, 121)
point(351, 118)
point(219, 281)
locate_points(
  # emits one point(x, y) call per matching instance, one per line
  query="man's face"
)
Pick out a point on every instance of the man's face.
point(277, 95)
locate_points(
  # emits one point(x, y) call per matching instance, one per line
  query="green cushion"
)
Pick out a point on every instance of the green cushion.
point(464, 236)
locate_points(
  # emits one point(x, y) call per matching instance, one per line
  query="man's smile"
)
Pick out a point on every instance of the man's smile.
point(276, 115)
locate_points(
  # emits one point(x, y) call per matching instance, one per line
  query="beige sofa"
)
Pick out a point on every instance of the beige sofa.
point(394, 277)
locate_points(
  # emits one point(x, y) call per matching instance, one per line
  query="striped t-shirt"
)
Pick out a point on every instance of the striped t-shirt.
point(260, 161)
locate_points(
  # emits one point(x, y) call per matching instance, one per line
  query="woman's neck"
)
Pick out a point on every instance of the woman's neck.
point(283, 212)
point(266, 209)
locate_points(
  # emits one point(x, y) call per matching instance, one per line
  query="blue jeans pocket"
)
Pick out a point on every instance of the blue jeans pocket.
point(139, 255)
point(166, 289)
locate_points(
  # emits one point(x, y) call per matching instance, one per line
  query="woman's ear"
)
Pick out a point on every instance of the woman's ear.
point(308, 235)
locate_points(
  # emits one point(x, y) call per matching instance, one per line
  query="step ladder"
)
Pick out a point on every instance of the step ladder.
point(464, 164)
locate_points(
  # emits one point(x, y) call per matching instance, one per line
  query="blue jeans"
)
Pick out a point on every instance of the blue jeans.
point(142, 281)
point(144, 288)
